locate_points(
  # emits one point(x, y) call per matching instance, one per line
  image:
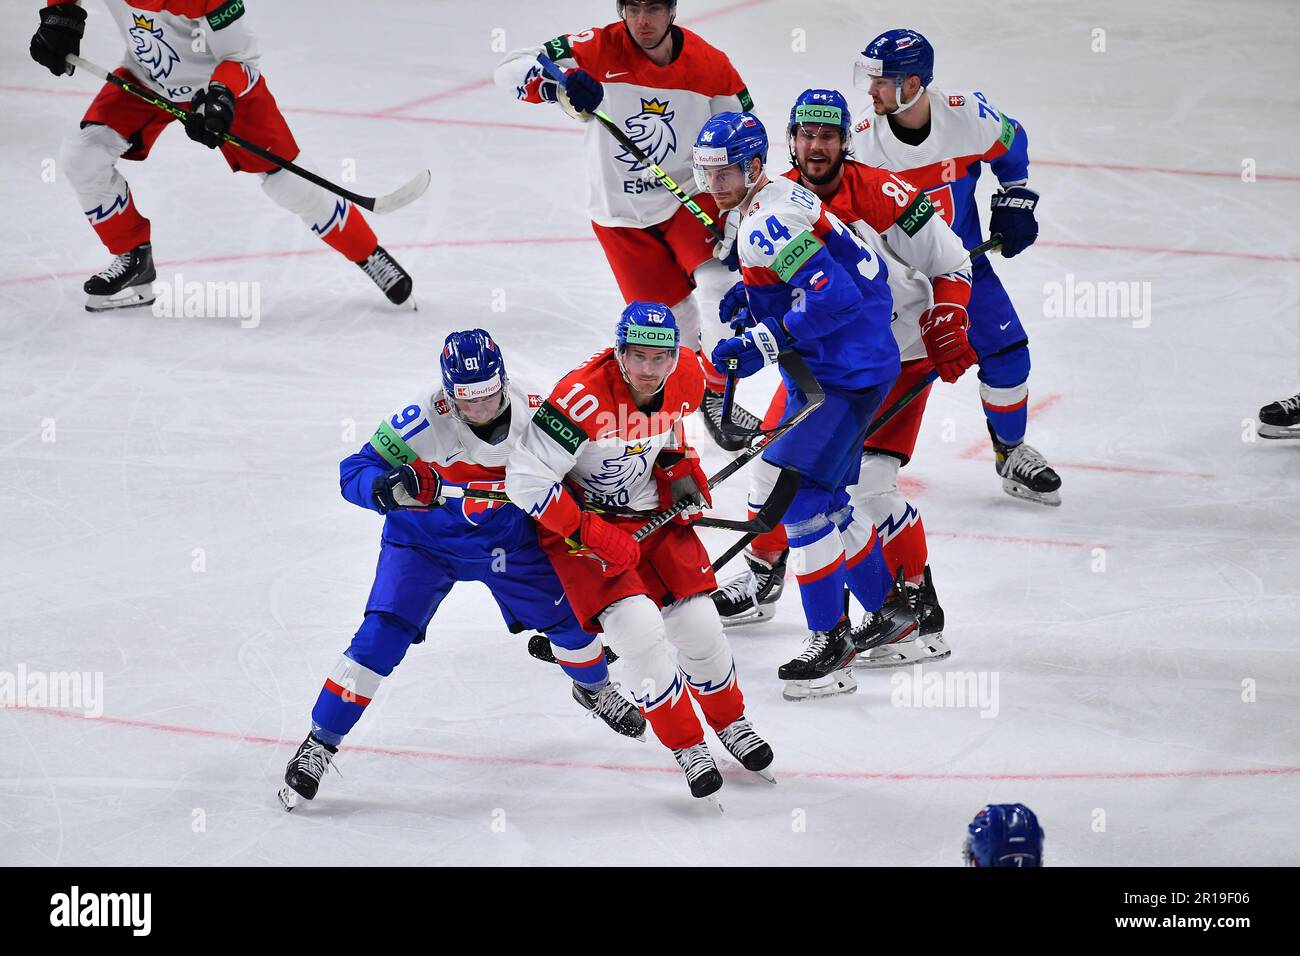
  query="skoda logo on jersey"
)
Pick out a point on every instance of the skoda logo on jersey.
point(154, 53)
point(652, 132)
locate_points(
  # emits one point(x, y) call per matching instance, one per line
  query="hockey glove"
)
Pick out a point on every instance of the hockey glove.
point(580, 87)
point(724, 249)
point(943, 330)
point(753, 351)
point(62, 27)
point(616, 550)
point(679, 475)
point(414, 486)
point(734, 308)
point(1013, 217)
point(211, 113)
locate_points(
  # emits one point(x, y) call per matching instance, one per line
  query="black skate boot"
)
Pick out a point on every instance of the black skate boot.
point(125, 283)
point(392, 279)
point(701, 772)
point(1280, 419)
point(751, 596)
point(1025, 472)
point(302, 775)
point(618, 713)
point(743, 743)
point(907, 630)
point(822, 670)
point(741, 420)
point(539, 646)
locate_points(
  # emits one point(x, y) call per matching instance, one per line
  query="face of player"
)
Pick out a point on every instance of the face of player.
point(818, 151)
point(884, 94)
point(647, 367)
point(648, 23)
point(479, 411)
point(726, 184)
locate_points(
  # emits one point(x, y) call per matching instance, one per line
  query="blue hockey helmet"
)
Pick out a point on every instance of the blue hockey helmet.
point(473, 368)
point(729, 139)
point(1004, 834)
point(896, 54)
point(825, 107)
point(648, 324)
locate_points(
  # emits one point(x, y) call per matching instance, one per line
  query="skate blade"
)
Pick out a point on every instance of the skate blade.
point(757, 615)
point(766, 774)
point(1278, 431)
point(1015, 490)
point(129, 298)
point(926, 649)
point(713, 800)
point(290, 798)
point(833, 684)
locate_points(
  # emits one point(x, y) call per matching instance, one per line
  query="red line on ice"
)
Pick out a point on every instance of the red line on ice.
point(636, 768)
point(1014, 539)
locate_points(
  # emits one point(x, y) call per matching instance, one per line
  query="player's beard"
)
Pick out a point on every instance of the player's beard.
point(825, 178)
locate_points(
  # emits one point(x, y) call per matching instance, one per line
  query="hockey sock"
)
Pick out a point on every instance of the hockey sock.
point(817, 556)
point(580, 655)
point(864, 565)
point(344, 698)
point(1007, 410)
point(705, 659)
point(88, 159)
point(906, 547)
point(338, 222)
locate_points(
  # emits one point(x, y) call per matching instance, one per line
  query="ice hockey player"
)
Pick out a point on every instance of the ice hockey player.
point(202, 56)
point(938, 141)
point(929, 278)
point(1004, 834)
point(1280, 419)
point(816, 288)
point(606, 445)
point(458, 435)
point(659, 82)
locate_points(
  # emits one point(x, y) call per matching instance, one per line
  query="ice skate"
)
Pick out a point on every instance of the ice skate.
point(1280, 419)
point(618, 713)
point(907, 630)
point(822, 669)
point(303, 774)
point(1025, 472)
point(392, 279)
point(126, 282)
point(752, 751)
point(751, 596)
point(702, 774)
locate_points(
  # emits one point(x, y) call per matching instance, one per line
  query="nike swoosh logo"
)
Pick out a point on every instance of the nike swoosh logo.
point(1004, 326)
point(452, 457)
point(704, 570)
point(610, 76)
point(558, 599)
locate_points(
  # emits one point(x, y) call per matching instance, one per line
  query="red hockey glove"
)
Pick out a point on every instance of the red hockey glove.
point(943, 329)
point(415, 485)
point(615, 548)
point(679, 476)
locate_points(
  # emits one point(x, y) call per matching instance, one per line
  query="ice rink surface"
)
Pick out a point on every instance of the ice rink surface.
point(170, 516)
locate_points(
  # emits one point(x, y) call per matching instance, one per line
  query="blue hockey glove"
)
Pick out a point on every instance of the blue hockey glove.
point(415, 486)
point(1013, 217)
point(756, 349)
point(584, 90)
point(734, 307)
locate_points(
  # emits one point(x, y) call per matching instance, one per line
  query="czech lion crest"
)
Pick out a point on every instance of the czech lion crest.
point(652, 132)
point(153, 52)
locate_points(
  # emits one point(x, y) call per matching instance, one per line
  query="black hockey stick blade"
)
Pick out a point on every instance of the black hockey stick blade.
point(382, 204)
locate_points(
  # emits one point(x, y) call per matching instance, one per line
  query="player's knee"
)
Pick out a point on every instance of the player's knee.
point(300, 197)
point(878, 475)
point(381, 641)
point(762, 479)
point(88, 155)
point(1007, 369)
point(633, 626)
point(693, 626)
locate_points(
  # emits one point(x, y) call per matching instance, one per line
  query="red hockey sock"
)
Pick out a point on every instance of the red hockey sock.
point(123, 230)
point(771, 543)
point(674, 723)
point(907, 548)
point(352, 236)
point(722, 707)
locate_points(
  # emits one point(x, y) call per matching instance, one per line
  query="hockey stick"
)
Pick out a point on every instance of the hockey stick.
point(398, 198)
point(558, 75)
